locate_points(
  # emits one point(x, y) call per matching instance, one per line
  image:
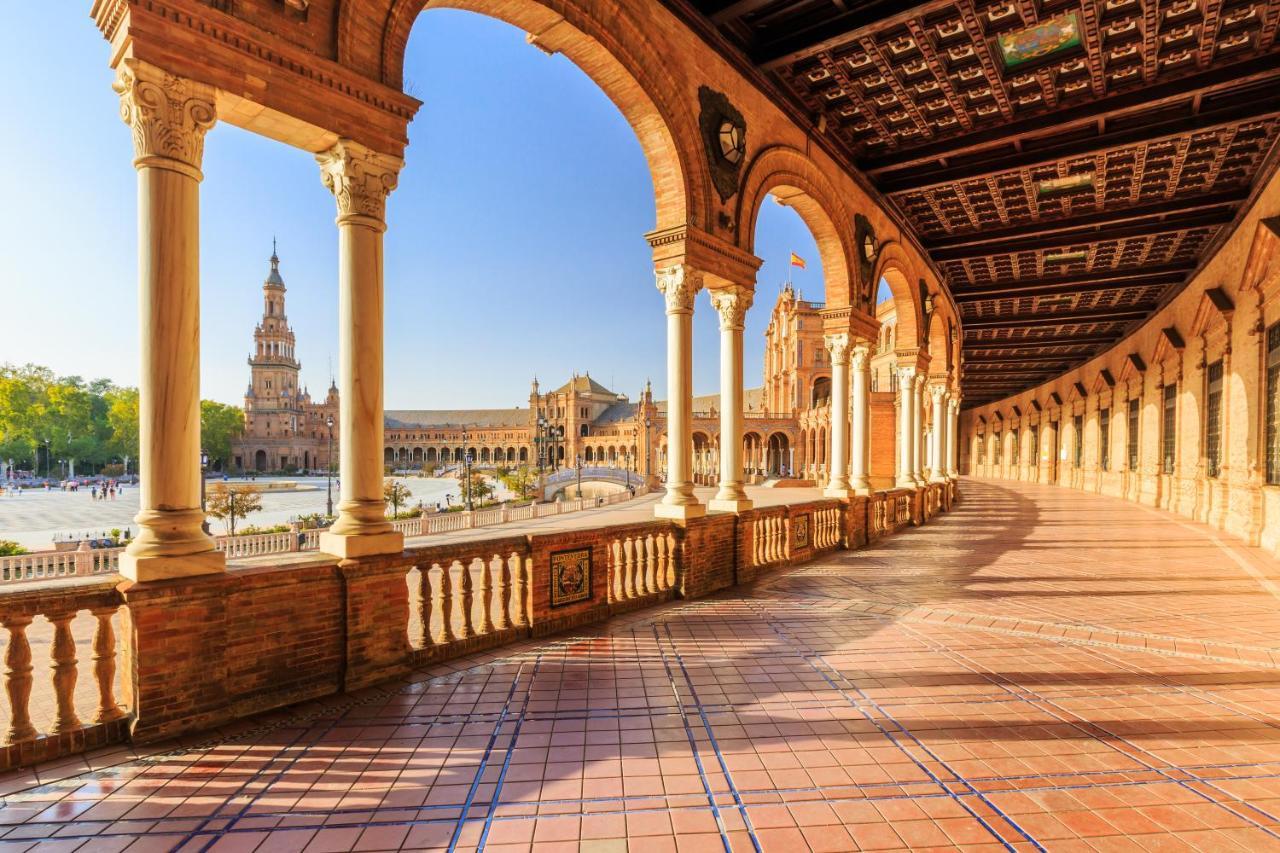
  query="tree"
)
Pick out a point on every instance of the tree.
point(481, 488)
point(227, 503)
point(122, 421)
point(523, 480)
point(220, 424)
point(9, 548)
point(395, 493)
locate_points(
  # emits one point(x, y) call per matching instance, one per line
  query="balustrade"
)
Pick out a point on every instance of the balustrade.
point(641, 564)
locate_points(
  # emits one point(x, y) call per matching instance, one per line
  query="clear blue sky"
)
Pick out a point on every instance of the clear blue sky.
point(515, 244)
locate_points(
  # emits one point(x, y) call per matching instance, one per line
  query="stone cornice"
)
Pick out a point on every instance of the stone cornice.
point(193, 40)
point(721, 259)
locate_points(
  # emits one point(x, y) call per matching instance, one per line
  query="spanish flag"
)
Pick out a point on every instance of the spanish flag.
point(797, 261)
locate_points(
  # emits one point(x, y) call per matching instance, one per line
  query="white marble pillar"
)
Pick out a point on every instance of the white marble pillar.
point(906, 427)
point(938, 396)
point(360, 180)
point(169, 117)
point(731, 303)
point(679, 285)
point(917, 436)
point(860, 422)
point(838, 462)
point(953, 432)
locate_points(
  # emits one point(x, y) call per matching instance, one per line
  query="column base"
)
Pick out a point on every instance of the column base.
point(679, 512)
point(904, 483)
point(348, 546)
point(837, 492)
point(159, 568)
point(734, 505)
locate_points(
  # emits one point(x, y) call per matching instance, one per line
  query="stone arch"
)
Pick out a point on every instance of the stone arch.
point(605, 41)
point(939, 340)
point(897, 267)
point(791, 177)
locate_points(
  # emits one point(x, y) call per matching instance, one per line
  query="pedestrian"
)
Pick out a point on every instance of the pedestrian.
point(94, 493)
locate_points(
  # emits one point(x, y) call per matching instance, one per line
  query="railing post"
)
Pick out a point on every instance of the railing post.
point(17, 678)
point(62, 662)
point(104, 665)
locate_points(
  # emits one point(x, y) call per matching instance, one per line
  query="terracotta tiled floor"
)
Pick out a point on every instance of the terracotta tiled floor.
point(1040, 669)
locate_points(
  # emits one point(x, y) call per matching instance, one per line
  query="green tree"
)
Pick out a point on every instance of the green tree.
point(122, 421)
point(481, 488)
point(395, 493)
point(228, 503)
point(9, 548)
point(220, 424)
point(523, 480)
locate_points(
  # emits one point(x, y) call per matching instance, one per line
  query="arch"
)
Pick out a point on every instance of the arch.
point(820, 393)
point(524, 454)
point(388, 456)
point(260, 460)
point(791, 177)
point(941, 358)
point(897, 267)
point(779, 454)
point(588, 455)
point(431, 455)
point(606, 42)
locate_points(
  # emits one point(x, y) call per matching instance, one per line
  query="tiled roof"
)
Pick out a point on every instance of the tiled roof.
point(416, 418)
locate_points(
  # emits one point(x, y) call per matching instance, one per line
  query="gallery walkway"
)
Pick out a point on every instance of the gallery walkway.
point(1038, 669)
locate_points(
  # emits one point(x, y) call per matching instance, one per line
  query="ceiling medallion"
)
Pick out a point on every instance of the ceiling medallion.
point(724, 134)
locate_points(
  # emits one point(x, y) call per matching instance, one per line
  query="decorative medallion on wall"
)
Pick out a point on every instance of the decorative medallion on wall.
point(868, 248)
point(800, 532)
point(724, 135)
point(570, 576)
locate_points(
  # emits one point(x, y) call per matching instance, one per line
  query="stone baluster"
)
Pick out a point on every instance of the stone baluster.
point(444, 604)
point(468, 602)
point(360, 180)
point(486, 597)
point(104, 665)
point(650, 564)
point(63, 666)
point(679, 285)
point(422, 603)
point(17, 678)
point(169, 117)
point(504, 593)
point(522, 592)
point(629, 569)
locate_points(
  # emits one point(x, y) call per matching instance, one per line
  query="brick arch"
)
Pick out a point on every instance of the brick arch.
point(898, 268)
point(938, 340)
point(793, 178)
point(613, 49)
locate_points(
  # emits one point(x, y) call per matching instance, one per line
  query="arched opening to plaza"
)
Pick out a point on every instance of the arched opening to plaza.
point(988, 557)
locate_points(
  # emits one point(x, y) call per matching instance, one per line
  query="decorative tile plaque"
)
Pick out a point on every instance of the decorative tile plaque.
point(800, 532)
point(570, 576)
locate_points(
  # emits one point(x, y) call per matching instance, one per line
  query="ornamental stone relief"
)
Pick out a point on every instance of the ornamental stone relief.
point(168, 115)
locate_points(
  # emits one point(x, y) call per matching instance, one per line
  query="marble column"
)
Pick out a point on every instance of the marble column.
point(838, 463)
point(906, 427)
point(917, 436)
point(360, 180)
point(679, 285)
point(860, 422)
point(953, 432)
point(731, 303)
point(169, 117)
point(938, 395)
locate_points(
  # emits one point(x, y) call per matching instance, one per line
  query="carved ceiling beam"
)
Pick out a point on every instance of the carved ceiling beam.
point(1070, 285)
point(1060, 318)
point(971, 344)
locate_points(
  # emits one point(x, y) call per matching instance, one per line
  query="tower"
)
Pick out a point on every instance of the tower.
point(272, 407)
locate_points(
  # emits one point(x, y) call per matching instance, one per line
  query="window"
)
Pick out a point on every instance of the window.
point(1013, 452)
point(1104, 439)
point(1169, 427)
point(981, 448)
point(1213, 419)
point(1033, 445)
point(1077, 437)
point(1273, 404)
point(1132, 438)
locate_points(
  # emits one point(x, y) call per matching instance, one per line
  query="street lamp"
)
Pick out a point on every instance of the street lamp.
point(328, 478)
point(579, 467)
point(48, 462)
point(466, 463)
point(204, 465)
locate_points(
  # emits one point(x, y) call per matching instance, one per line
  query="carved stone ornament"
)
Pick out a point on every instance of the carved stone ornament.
point(724, 135)
point(838, 346)
point(868, 249)
point(359, 178)
point(860, 355)
point(169, 115)
point(936, 391)
point(731, 303)
point(679, 285)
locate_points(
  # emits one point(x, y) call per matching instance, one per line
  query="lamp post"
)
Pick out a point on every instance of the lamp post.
point(466, 462)
point(540, 445)
point(48, 462)
point(578, 465)
point(204, 466)
point(328, 478)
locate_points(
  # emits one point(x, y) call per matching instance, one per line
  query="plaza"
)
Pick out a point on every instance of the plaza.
point(989, 561)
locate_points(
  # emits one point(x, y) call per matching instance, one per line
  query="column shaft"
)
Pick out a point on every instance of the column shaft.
point(917, 435)
point(169, 117)
point(937, 394)
point(732, 304)
point(838, 463)
point(953, 432)
point(906, 427)
point(860, 437)
point(679, 285)
point(360, 180)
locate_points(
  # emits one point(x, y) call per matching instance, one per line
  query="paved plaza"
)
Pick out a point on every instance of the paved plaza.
point(1039, 669)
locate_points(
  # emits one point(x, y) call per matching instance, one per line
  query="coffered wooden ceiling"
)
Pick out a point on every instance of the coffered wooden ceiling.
point(1066, 163)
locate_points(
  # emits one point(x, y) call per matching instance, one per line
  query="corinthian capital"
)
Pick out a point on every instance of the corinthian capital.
point(731, 303)
point(906, 377)
point(936, 391)
point(860, 355)
point(168, 115)
point(679, 285)
point(359, 178)
point(838, 346)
